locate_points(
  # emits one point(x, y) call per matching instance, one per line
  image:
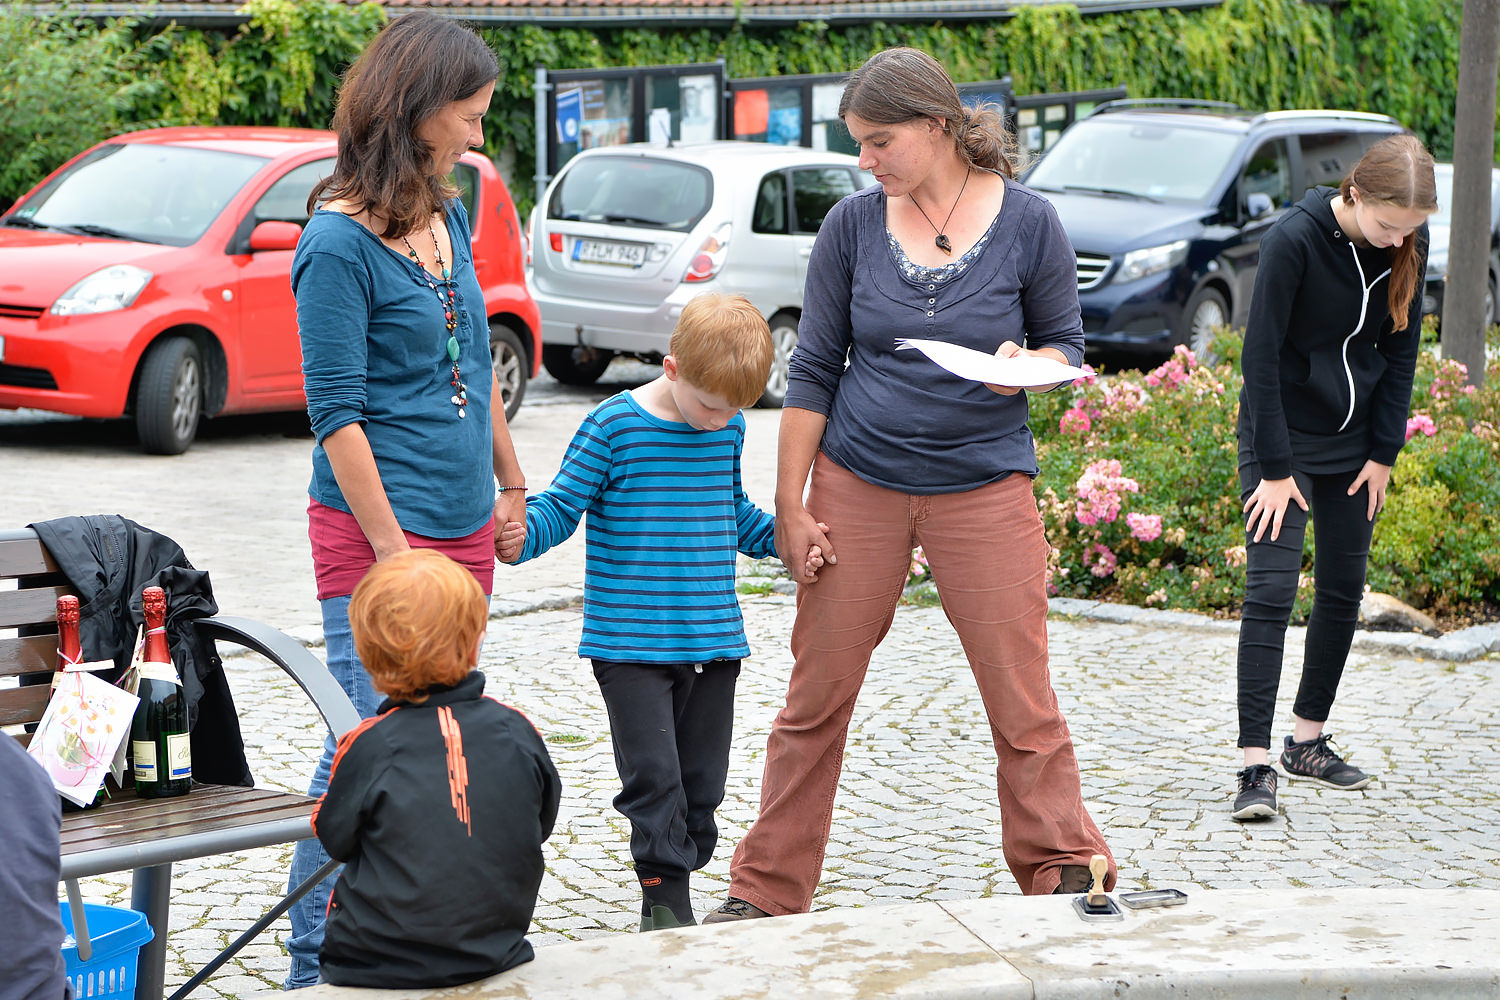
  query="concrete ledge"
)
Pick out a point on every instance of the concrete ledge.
point(1266, 945)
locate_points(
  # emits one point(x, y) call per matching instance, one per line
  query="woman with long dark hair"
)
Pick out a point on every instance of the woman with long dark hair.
point(407, 417)
point(1330, 354)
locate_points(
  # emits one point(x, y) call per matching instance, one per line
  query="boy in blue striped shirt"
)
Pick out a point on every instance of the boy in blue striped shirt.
point(657, 470)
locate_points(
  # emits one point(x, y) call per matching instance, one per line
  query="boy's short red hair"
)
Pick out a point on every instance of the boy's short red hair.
point(417, 618)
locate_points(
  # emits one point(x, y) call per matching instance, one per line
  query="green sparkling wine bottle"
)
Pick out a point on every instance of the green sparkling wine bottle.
point(162, 758)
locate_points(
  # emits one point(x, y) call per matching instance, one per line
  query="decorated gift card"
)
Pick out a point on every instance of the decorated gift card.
point(84, 726)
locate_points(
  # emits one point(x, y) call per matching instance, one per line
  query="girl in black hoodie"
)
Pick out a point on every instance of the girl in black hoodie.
point(1330, 352)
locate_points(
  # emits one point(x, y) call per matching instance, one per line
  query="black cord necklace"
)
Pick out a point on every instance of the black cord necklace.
point(941, 241)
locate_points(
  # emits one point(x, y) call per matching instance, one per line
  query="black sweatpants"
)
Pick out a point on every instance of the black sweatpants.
point(671, 725)
point(1341, 548)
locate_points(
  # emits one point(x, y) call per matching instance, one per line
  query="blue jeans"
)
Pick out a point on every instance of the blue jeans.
point(308, 855)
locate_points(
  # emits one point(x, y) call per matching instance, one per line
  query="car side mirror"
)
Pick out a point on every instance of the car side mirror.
point(1258, 204)
point(275, 236)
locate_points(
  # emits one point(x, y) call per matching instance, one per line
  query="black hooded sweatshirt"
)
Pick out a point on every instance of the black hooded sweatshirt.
point(1327, 376)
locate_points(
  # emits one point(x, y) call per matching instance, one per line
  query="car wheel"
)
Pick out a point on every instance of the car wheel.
point(575, 365)
point(783, 339)
point(169, 396)
point(511, 368)
point(1205, 314)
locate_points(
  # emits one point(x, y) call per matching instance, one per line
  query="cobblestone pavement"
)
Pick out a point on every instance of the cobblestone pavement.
point(1151, 712)
point(1150, 701)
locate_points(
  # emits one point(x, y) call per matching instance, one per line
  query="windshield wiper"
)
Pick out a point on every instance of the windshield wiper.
point(1111, 192)
point(25, 222)
point(633, 220)
point(89, 229)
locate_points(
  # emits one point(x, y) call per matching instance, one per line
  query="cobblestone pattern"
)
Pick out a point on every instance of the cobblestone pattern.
point(1151, 710)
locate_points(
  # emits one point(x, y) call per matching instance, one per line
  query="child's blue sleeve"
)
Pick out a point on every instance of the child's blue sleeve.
point(341, 812)
point(756, 528)
point(553, 514)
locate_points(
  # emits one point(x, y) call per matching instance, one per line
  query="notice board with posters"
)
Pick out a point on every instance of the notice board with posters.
point(803, 110)
point(580, 109)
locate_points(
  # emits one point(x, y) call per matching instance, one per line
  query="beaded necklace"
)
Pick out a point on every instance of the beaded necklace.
point(460, 397)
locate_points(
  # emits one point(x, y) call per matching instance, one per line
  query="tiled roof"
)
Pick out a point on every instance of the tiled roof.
point(622, 11)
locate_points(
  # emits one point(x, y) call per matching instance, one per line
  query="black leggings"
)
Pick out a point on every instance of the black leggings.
point(1340, 550)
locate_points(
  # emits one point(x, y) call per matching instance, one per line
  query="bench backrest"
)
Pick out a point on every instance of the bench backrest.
point(30, 584)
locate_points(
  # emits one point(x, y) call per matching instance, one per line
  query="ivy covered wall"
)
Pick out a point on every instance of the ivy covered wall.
point(1398, 57)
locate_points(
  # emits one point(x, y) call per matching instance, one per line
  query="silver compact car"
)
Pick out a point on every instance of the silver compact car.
point(625, 235)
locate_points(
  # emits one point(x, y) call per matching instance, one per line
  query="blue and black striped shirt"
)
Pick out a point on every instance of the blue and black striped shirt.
point(666, 515)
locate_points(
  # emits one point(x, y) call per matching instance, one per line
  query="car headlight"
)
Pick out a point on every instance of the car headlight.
point(1139, 263)
point(110, 288)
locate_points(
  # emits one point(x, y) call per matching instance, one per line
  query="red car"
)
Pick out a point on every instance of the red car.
point(149, 277)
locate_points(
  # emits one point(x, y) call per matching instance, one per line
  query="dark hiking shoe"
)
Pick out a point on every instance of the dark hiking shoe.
point(1075, 879)
point(1316, 759)
point(735, 908)
point(662, 917)
point(1257, 794)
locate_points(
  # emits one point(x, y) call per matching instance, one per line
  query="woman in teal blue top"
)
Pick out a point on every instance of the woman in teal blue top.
point(395, 357)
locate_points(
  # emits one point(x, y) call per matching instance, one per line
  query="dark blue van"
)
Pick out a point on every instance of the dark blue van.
point(1166, 201)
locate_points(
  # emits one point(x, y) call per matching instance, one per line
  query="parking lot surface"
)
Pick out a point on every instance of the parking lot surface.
point(1150, 705)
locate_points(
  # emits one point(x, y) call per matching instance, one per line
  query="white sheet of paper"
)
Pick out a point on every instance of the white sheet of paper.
point(1020, 372)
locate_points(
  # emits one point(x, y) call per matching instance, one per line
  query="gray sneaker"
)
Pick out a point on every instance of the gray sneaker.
point(1257, 794)
point(735, 908)
point(1315, 759)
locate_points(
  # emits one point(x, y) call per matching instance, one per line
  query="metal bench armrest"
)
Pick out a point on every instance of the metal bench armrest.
point(294, 658)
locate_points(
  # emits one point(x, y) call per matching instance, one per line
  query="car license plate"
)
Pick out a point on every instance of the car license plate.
point(609, 252)
point(2, 348)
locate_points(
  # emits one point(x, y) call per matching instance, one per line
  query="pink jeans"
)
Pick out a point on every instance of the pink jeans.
point(988, 558)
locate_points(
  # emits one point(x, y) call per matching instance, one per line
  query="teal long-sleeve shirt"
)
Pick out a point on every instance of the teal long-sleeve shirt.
point(666, 515)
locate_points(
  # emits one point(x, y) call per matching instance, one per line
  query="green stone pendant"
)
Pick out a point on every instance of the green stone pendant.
point(453, 348)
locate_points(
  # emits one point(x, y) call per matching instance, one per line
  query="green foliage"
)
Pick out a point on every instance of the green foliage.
point(1118, 453)
point(284, 64)
point(1399, 57)
point(67, 84)
point(1437, 544)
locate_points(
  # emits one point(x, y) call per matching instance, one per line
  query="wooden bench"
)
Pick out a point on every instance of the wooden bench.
point(139, 835)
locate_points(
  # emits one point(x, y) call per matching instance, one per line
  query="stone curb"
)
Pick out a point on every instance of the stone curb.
point(1266, 945)
point(1460, 646)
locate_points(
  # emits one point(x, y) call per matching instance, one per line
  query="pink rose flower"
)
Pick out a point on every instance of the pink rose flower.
point(1144, 527)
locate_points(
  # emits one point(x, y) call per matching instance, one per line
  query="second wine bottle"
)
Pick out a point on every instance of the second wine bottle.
point(162, 756)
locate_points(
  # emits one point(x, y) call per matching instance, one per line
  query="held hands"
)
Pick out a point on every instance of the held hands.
point(510, 524)
point(1377, 477)
point(1267, 505)
point(803, 545)
point(1010, 349)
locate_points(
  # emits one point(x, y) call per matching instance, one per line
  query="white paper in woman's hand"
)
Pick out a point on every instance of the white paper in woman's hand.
point(1020, 372)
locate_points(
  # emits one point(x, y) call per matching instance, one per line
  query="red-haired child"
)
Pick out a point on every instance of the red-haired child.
point(438, 805)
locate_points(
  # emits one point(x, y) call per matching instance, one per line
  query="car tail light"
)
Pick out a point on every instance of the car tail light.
point(554, 240)
point(526, 242)
point(710, 256)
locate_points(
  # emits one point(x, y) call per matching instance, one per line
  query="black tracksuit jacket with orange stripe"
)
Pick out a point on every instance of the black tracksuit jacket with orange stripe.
point(439, 811)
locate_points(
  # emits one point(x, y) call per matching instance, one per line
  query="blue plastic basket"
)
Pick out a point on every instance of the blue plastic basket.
point(116, 934)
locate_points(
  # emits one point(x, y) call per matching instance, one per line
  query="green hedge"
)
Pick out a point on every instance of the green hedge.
point(1399, 57)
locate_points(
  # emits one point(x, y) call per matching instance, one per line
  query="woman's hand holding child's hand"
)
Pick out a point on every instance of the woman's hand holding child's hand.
point(510, 540)
point(802, 544)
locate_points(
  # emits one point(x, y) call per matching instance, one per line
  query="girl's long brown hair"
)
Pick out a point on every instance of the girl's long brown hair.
point(418, 64)
point(1397, 171)
point(899, 85)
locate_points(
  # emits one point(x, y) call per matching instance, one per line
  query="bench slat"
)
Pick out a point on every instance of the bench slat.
point(23, 554)
point(205, 810)
point(32, 654)
point(24, 704)
point(34, 606)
